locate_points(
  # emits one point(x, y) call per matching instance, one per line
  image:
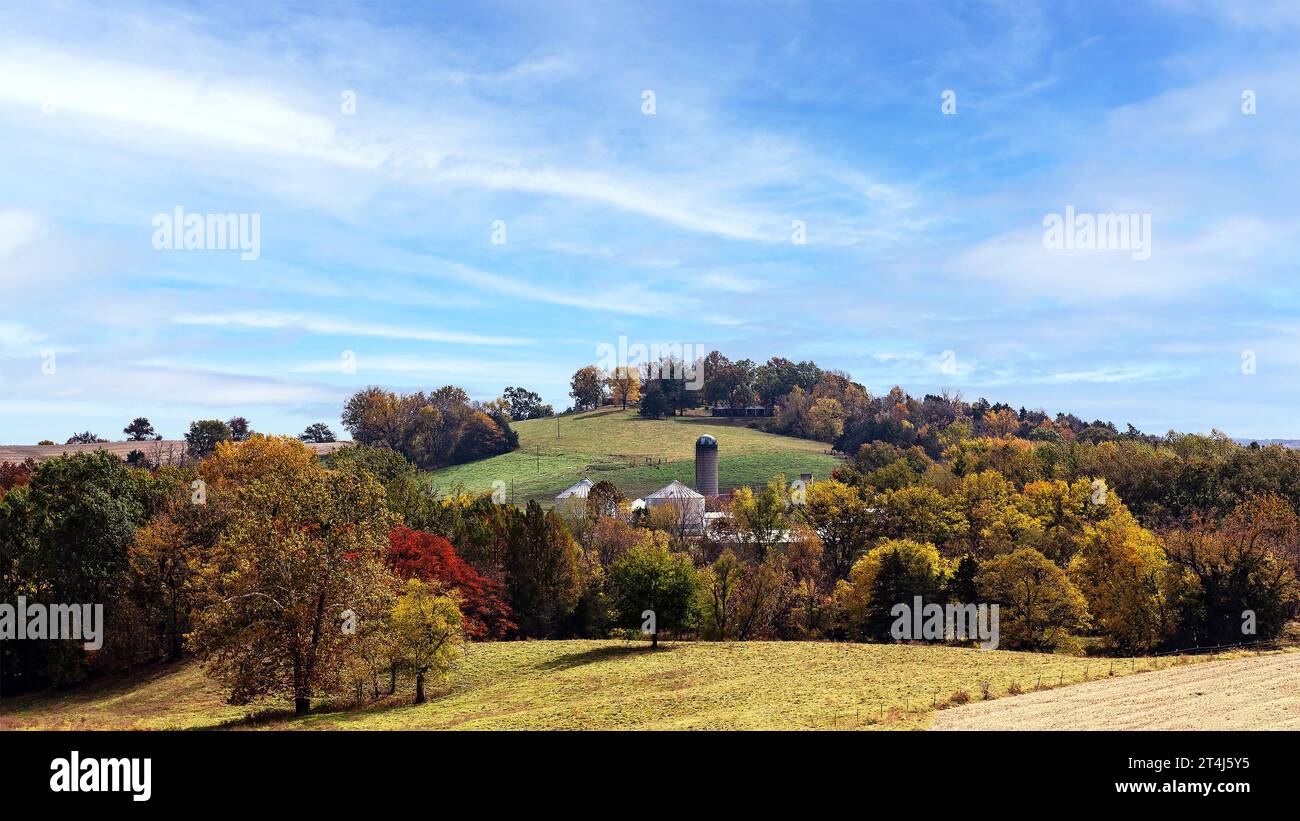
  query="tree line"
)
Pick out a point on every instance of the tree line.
point(305, 578)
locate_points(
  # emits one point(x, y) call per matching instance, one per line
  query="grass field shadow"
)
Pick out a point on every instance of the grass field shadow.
point(571, 660)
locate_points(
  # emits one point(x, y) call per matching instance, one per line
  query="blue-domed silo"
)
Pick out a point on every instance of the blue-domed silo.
point(706, 465)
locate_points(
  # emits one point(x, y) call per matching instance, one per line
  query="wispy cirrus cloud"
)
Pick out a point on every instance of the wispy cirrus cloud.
point(273, 321)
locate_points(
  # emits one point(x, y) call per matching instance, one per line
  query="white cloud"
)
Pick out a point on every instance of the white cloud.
point(19, 229)
point(270, 320)
point(191, 105)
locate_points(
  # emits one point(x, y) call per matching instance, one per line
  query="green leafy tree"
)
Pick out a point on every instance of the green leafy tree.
point(240, 429)
point(64, 537)
point(542, 569)
point(139, 430)
point(204, 436)
point(317, 432)
point(525, 404)
point(652, 579)
point(382, 463)
point(654, 404)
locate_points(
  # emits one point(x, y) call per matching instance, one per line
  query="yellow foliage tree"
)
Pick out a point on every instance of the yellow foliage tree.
point(624, 385)
point(428, 633)
point(1122, 571)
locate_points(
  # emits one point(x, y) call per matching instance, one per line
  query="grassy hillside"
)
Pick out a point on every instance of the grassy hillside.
point(638, 455)
point(608, 685)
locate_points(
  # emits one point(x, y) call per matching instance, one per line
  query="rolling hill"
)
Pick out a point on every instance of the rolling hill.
point(639, 455)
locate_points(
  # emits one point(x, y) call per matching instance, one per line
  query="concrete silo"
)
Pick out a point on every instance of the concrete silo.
point(706, 465)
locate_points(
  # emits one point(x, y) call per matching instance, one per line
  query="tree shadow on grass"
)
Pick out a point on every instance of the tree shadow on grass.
point(269, 715)
point(571, 660)
point(286, 715)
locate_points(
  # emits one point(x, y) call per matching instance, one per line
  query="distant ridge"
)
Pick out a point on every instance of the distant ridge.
point(164, 450)
point(1286, 443)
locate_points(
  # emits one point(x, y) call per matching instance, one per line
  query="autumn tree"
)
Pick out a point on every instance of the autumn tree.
point(812, 600)
point(413, 554)
point(993, 524)
point(763, 594)
point(375, 416)
point(624, 385)
point(1000, 423)
point(924, 514)
point(15, 474)
point(842, 517)
point(431, 430)
point(1063, 510)
point(826, 419)
point(1241, 570)
point(1038, 605)
point(603, 499)
point(428, 633)
point(167, 559)
point(587, 388)
point(718, 584)
point(1121, 569)
point(792, 414)
point(893, 572)
point(300, 554)
point(478, 438)
point(758, 521)
point(608, 538)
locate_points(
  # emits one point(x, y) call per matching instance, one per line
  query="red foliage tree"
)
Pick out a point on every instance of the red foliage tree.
point(430, 558)
point(13, 474)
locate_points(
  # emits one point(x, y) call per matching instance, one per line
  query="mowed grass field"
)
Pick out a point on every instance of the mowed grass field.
point(639, 455)
point(606, 685)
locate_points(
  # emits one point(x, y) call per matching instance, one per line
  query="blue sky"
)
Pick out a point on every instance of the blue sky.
point(924, 230)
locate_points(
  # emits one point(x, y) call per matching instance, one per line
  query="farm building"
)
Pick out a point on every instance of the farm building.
point(688, 504)
point(693, 516)
point(573, 500)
